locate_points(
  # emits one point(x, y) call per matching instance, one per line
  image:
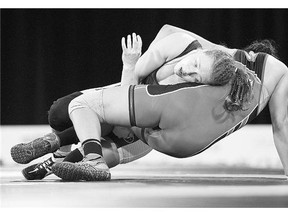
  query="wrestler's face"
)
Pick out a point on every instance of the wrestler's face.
point(195, 67)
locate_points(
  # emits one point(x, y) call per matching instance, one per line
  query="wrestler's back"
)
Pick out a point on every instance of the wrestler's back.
point(191, 119)
point(190, 129)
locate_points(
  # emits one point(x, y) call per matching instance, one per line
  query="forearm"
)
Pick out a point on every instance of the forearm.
point(128, 76)
point(280, 135)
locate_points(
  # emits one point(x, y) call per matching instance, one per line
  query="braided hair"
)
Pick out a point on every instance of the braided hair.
point(226, 70)
point(240, 92)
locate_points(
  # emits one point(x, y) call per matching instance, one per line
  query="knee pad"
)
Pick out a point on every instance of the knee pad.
point(58, 116)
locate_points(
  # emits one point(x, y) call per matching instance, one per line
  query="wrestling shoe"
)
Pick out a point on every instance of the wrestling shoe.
point(91, 168)
point(23, 153)
point(41, 170)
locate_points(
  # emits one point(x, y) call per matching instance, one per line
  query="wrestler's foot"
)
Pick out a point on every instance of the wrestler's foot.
point(41, 170)
point(92, 168)
point(23, 153)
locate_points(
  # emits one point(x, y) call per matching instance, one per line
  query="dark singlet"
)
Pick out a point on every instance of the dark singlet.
point(191, 117)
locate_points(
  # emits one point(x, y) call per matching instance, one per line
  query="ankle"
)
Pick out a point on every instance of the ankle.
point(92, 146)
point(54, 141)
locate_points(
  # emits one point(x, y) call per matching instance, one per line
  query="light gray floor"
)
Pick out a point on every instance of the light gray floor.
point(138, 186)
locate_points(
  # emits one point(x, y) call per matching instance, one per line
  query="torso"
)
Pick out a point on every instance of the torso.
point(204, 121)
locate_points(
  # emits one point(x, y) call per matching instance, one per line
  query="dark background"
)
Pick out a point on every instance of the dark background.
point(48, 53)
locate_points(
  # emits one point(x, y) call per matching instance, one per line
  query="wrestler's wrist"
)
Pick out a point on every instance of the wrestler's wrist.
point(128, 66)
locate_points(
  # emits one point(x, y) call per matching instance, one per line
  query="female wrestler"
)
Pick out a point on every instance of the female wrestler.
point(190, 43)
point(183, 136)
point(170, 29)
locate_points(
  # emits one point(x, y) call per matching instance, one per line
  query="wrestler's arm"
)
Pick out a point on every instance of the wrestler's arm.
point(163, 32)
point(278, 105)
point(131, 52)
point(169, 29)
point(160, 52)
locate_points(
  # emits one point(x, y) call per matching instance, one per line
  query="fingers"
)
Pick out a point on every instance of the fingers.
point(139, 41)
point(123, 44)
point(129, 42)
point(134, 43)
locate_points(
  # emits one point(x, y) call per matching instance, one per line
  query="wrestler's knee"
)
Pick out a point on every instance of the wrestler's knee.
point(77, 103)
point(90, 100)
point(58, 117)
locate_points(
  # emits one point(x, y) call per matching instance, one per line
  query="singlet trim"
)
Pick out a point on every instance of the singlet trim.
point(173, 91)
point(131, 105)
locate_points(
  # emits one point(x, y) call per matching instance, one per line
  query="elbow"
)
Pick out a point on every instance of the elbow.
point(167, 28)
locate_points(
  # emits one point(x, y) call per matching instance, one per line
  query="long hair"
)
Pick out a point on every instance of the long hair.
point(240, 92)
point(226, 70)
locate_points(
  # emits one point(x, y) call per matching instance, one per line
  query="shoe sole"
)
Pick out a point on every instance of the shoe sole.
point(19, 155)
point(71, 172)
point(23, 155)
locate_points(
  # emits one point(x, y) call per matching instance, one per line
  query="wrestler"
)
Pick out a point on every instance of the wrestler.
point(146, 107)
point(190, 44)
point(239, 55)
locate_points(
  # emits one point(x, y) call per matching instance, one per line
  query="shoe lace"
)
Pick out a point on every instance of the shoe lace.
point(46, 164)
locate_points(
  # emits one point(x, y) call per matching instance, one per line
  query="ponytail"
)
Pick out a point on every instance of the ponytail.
point(226, 70)
point(240, 92)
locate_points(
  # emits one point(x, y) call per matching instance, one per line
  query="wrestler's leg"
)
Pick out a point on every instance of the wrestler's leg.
point(61, 124)
point(63, 135)
point(113, 154)
point(87, 115)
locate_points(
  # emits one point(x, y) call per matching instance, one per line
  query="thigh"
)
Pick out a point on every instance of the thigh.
point(132, 106)
point(116, 106)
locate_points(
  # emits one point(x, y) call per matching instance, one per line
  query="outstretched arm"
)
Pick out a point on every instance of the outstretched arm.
point(279, 114)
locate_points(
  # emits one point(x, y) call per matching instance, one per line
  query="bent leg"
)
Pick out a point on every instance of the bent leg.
point(87, 115)
point(94, 108)
point(61, 124)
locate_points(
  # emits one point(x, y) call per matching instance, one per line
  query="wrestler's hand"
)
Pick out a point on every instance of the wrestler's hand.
point(132, 51)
